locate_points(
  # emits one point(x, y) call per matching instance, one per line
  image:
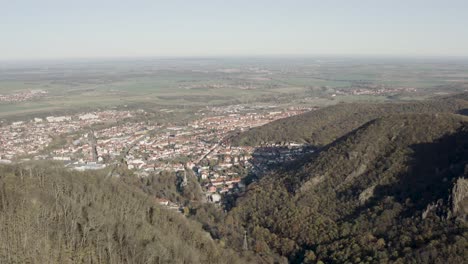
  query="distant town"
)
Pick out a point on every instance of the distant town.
point(22, 96)
point(96, 140)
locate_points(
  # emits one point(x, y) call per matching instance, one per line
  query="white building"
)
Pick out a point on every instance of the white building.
point(53, 119)
point(88, 116)
point(17, 123)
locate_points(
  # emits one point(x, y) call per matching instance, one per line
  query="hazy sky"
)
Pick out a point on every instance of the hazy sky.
point(41, 29)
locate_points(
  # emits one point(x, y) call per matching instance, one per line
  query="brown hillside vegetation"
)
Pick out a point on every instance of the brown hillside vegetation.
point(52, 215)
point(383, 193)
point(323, 126)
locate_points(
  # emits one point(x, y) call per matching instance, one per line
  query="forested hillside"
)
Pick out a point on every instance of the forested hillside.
point(388, 186)
point(323, 126)
point(393, 190)
point(52, 215)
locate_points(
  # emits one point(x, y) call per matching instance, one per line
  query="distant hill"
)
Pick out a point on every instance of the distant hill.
point(52, 215)
point(393, 190)
point(323, 126)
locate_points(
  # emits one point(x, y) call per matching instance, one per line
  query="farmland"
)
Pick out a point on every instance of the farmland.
point(195, 83)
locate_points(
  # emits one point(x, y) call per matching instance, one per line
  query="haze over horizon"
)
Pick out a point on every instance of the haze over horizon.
point(54, 29)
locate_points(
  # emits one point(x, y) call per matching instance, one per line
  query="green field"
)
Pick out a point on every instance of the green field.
point(199, 83)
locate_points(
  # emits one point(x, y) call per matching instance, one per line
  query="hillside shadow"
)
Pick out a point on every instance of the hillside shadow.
point(463, 112)
point(266, 159)
point(429, 177)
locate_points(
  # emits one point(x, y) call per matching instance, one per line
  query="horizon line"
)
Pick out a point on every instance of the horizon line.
point(226, 56)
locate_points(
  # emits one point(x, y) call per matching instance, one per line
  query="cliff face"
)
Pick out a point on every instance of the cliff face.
point(460, 199)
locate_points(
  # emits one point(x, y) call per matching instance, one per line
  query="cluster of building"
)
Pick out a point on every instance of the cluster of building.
point(104, 145)
point(223, 169)
point(374, 90)
point(245, 86)
point(201, 146)
point(22, 96)
point(202, 139)
point(30, 139)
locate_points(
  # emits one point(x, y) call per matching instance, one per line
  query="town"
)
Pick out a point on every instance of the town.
point(22, 96)
point(96, 140)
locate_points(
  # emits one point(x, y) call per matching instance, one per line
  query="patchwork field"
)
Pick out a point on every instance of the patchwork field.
point(201, 82)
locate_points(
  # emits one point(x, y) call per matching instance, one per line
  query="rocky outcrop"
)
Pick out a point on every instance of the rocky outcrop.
point(437, 209)
point(460, 199)
point(312, 183)
point(358, 172)
point(366, 194)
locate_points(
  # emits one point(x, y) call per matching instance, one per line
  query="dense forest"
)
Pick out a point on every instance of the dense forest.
point(393, 190)
point(52, 215)
point(323, 126)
